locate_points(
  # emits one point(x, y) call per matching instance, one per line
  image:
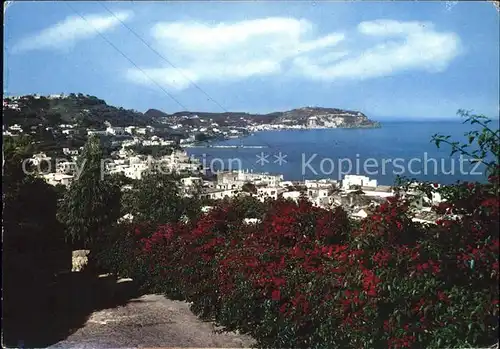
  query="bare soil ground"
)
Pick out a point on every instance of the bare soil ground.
point(150, 321)
point(85, 311)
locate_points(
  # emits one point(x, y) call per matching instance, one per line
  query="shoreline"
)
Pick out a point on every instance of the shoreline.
point(209, 143)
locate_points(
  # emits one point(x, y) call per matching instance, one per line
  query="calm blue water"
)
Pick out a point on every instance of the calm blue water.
point(402, 148)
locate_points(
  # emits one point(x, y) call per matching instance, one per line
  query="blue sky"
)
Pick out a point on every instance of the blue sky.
point(400, 60)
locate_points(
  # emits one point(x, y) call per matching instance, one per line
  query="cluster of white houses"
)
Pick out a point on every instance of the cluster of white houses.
point(132, 166)
point(12, 102)
point(355, 193)
point(269, 186)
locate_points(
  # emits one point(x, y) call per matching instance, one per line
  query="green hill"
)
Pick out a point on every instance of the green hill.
point(84, 110)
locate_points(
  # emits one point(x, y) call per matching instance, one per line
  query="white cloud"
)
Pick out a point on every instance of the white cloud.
point(72, 29)
point(230, 51)
point(276, 45)
point(420, 47)
point(387, 27)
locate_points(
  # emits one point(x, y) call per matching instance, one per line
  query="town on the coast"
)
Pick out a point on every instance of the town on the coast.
point(307, 175)
point(160, 145)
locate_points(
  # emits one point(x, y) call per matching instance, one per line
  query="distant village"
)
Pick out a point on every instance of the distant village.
point(357, 194)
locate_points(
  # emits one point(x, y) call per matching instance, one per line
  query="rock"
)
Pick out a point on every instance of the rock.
point(80, 260)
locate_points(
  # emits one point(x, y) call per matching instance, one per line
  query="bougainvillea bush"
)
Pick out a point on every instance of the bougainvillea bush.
point(311, 278)
point(306, 277)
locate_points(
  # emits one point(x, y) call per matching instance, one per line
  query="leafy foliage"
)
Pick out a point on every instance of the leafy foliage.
point(482, 146)
point(249, 188)
point(155, 199)
point(155, 151)
point(92, 203)
point(87, 111)
point(306, 277)
point(33, 239)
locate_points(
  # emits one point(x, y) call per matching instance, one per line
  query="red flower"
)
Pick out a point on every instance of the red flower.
point(435, 268)
point(278, 281)
point(382, 258)
point(276, 295)
point(415, 255)
point(443, 297)
point(417, 308)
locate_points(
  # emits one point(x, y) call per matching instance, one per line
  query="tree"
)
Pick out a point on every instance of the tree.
point(483, 145)
point(358, 192)
point(194, 202)
point(202, 137)
point(53, 119)
point(30, 227)
point(334, 189)
point(155, 199)
point(92, 204)
point(249, 188)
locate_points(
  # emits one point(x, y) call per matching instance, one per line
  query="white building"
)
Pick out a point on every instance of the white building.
point(96, 132)
point(187, 167)
point(312, 121)
point(67, 167)
point(58, 178)
point(11, 105)
point(191, 181)
point(251, 221)
point(16, 128)
point(37, 159)
point(116, 168)
point(308, 183)
point(190, 139)
point(218, 194)
point(135, 171)
point(264, 193)
point(294, 195)
point(115, 131)
point(360, 214)
point(130, 129)
point(67, 151)
point(56, 96)
point(254, 178)
point(206, 209)
point(318, 192)
point(379, 194)
point(362, 181)
point(233, 185)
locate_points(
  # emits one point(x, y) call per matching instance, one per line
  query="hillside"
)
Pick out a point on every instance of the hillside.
point(325, 117)
point(311, 116)
point(92, 112)
point(87, 111)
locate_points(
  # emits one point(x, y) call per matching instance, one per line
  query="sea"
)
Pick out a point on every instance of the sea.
point(403, 149)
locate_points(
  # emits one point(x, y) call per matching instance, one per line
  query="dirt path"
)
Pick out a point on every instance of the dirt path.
point(150, 321)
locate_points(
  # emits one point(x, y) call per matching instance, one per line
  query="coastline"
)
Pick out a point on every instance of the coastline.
point(322, 153)
point(273, 128)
